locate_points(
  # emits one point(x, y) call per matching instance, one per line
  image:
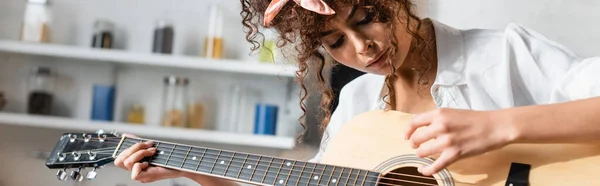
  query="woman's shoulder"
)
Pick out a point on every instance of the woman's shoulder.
point(515, 37)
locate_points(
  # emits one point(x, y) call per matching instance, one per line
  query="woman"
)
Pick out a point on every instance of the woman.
point(472, 90)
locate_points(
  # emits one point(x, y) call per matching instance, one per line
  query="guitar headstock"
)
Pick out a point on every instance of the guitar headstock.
point(80, 151)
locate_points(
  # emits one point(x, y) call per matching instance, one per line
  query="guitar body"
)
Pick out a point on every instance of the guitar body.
point(374, 141)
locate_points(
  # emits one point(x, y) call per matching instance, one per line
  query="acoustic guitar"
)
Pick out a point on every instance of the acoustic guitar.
point(369, 150)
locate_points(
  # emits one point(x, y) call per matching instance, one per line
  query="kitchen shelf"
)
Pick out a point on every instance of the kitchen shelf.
point(147, 59)
point(74, 125)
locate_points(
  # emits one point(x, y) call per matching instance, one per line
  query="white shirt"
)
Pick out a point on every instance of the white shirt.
point(485, 70)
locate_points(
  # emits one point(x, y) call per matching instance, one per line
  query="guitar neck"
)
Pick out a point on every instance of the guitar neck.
point(250, 168)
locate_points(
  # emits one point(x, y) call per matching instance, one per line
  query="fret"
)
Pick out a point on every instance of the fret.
point(153, 158)
point(235, 166)
point(170, 153)
point(273, 171)
point(229, 164)
point(372, 178)
point(207, 164)
point(214, 165)
point(345, 176)
point(263, 166)
point(355, 177)
point(162, 152)
point(249, 166)
point(255, 167)
point(363, 178)
point(223, 161)
point(337, 175)
point(261, 169)
point(177, 156)
point(185, 158)
point(305, 177)
point(316, 174)
point(242, 166)
point(193, 158)
point(200, 160)
point(326, 175)
point(297, 170)
point(290, 166)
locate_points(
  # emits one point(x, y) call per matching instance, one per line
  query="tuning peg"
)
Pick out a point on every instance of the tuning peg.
point(92, 174)
point(87, 137)
point(76, 175)
point(100, 131)
point(62, 175)
point(116, 133)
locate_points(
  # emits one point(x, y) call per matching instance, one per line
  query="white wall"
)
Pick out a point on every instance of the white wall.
point(574, 23)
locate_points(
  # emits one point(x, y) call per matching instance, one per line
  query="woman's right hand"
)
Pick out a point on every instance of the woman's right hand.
point(130, 159)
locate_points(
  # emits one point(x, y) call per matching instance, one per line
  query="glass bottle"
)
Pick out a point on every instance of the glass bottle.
point(35, 22)
point(103, 34)
point(41, 84)
point(213, 43)
point(175, 102)
point(164, 35)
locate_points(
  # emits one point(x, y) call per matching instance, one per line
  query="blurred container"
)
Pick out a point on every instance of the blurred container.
point(36, 21)
point(213, 43)
point(2, 100)
point(103, 34)
point(196, 116)
point(239, 109)
point(265, 119)
point(41, 88)
point(136, 115)
point(103, 101)
point(175, 102)
point(164, 35)
point(267, 48)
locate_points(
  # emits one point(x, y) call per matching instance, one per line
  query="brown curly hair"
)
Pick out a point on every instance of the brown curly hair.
point(302, 27)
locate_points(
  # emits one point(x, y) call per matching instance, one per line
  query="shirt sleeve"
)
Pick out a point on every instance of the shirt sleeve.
point(581, 82)
point(548, 72)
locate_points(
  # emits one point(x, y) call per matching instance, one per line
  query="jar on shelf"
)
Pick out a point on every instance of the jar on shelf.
point(2, 100)
point(164, 35)
point(41, 97)
point(136, 115)
point(103, 34)
point(175, 102)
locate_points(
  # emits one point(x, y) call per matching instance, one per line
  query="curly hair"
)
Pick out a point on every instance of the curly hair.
point(301, 27)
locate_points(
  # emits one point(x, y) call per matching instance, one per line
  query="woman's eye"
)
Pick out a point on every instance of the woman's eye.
point(338, 43)
point(368, 19)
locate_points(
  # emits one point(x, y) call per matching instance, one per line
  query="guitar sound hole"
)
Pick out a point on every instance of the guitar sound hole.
point(406, 176)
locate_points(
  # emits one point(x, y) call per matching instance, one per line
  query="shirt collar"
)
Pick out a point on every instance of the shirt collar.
point(451, 58)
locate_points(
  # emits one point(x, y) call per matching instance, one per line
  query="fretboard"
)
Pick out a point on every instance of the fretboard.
point(250, 168)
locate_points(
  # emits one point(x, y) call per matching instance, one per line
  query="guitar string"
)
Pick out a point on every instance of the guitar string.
point(227, 156)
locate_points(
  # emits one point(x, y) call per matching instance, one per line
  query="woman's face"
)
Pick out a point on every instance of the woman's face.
point(356, 40)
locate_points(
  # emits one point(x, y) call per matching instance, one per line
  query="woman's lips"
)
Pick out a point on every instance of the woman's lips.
point(380, 60)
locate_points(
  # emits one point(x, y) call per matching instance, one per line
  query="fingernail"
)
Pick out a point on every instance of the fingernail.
point(152, 149)
point(149, 142)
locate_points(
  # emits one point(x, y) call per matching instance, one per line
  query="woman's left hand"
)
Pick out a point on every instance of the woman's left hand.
point(455, 134)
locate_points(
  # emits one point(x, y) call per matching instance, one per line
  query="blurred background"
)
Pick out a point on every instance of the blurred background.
point(182, 71)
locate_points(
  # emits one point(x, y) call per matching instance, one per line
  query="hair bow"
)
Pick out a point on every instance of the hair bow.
point(318, 6)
